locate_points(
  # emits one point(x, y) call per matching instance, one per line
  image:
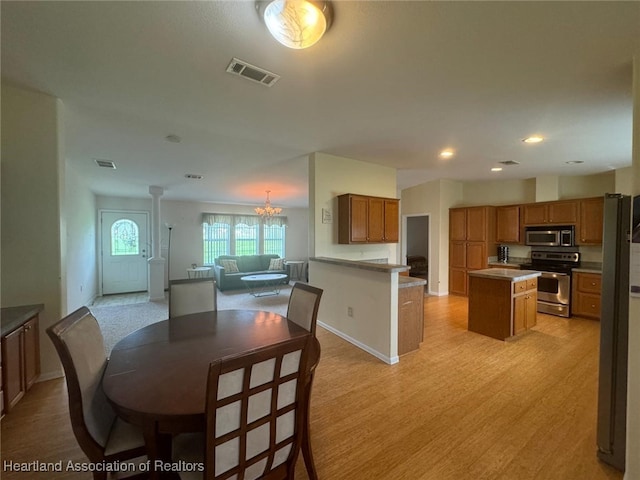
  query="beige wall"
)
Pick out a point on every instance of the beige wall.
point(624, 180)
point(501, 192)
point(332, 176)
point(32, 243)
point(587, 185)
point(633, 399)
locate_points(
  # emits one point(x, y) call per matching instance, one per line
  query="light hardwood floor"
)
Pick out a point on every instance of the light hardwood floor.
point(463, 407)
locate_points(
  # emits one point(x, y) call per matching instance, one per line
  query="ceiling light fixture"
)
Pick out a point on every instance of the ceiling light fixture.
point(296, 23)
point(496, 169)
point(448, 153)
point(533, 139)
point(268, 210)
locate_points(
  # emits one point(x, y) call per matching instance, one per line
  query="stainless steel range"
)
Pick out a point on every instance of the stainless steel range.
point(554, 285)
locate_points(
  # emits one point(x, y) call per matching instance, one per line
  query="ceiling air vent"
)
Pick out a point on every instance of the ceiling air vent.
point(193, 176)
point(510, 162)
point(105, 163)
point(251, 72)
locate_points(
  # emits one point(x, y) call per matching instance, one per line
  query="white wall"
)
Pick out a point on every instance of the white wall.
point(81, 234)
point(32, 185)
point(186, 236)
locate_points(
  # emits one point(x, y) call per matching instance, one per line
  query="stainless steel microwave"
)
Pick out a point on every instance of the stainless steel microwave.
point(562, 236)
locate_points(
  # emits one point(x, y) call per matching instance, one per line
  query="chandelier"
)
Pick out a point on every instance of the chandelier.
point(268, 210)
point(296, 23)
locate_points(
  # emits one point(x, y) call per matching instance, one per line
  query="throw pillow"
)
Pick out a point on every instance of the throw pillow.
point(276, 264)
point(230, 266)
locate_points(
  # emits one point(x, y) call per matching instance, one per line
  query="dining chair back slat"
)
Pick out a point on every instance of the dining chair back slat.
point(304, 303)
point(192, 295)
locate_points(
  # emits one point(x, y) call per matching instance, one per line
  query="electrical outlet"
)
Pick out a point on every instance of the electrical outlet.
point(350, 311)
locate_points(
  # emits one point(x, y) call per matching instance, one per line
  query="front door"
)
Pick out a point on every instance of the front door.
point(125, 250)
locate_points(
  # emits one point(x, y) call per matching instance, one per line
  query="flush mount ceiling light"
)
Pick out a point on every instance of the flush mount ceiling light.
point(296, 23)
point(496, 169)
point(447, 153)
point(533, 139)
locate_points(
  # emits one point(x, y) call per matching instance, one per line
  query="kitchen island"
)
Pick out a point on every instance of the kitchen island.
point(502, 301)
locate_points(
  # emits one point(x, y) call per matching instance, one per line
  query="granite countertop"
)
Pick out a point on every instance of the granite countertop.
point(406, 282)
point(12, 317)
point(376, 267)
point(505, 274)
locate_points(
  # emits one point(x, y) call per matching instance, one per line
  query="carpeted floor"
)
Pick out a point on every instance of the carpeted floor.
point(118, 321)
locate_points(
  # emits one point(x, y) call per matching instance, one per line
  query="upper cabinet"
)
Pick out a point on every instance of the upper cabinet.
point(365, 219)
point(470, 224)
point(508, 224)
point(561, 212)
point(589, 230)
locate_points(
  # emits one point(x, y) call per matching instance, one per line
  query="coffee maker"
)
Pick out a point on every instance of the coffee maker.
point(503, 253)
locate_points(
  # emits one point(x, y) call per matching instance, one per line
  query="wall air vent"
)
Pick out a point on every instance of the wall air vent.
point(510, 162)
point(251, 72)
point(105, 163)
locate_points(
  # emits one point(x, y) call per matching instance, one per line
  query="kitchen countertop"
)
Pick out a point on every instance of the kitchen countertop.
point(376, 267)
point(505, 274)
point(12, 317)
point(406, 282)
point(587, 270)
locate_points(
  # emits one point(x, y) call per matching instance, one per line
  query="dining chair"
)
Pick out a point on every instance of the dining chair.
point(254, 415)
point(304, 303)
point(192, 295)
point(101, 434)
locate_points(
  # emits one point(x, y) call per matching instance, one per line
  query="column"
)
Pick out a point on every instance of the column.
point(156, 262)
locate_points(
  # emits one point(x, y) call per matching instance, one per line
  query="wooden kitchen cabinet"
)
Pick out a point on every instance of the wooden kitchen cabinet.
point(410, 318)
point(20, 353)
point(500, 307)
point(586, 295)
point(508, 224)
point(525, 305)
point(564, 212)
point(472, 238)
point(589, 231)
point(365, 219)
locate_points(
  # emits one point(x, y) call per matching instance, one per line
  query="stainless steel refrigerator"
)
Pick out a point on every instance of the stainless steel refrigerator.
point(614, 329)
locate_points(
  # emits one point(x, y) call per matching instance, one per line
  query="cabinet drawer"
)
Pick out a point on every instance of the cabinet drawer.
point(532, 283)
point(519, 287)
point(589, 282)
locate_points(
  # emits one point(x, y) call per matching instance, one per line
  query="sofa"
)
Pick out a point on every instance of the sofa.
point(228, 279)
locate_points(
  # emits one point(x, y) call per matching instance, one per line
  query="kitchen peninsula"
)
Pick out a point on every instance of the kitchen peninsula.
point(502, 301)
point(361, 304)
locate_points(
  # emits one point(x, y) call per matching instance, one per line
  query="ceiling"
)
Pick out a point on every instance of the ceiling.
point(392, 83)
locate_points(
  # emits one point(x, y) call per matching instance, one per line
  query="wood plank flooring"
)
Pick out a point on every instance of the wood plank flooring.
point(463, 407)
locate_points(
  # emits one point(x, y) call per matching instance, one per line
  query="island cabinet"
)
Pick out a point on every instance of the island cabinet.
point(471, 241)
point(589, 229)
point(564, 212)
point(586, 295)
point(508, 224)
point(20, 353)
point(366, 219)
point(410, 315)
point(502, 302)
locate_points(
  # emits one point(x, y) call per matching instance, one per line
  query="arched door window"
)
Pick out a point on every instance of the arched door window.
point(125, 238)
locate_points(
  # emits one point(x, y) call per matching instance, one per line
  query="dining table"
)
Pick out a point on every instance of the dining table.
point(156, 377)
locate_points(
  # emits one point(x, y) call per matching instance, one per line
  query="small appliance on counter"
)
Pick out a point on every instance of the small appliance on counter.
point(503, 253)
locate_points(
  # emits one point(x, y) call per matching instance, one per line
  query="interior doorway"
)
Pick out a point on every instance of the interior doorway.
point(417, 246)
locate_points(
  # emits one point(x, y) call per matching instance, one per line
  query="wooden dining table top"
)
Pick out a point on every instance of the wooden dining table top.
point(160, 371)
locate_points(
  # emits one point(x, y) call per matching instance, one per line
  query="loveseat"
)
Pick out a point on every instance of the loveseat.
point(227, 279)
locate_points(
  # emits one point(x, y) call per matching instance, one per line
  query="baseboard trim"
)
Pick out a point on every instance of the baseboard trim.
point(362, 346)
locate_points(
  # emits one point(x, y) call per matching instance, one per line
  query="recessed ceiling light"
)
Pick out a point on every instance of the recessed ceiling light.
point(447, 153)
point(496, 169)
point(574, 162)
point(533, 139)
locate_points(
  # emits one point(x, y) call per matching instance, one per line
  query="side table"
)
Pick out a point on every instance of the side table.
point(295, 267)
point(198, 272)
